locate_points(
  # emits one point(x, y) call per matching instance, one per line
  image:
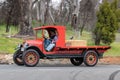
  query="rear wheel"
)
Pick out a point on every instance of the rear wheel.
point(31, 58)
point(76, 61)
point(90, 58)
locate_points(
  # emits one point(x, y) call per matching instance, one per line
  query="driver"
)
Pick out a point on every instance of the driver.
point(53, 36)
point(50, 43)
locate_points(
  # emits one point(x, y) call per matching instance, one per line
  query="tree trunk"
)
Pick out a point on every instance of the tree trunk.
point(75, 19)
point(38, 11)
point(86, 14)
point(7, 26)
point(51, 16)
point(97, 38)
point(97, 41)
point(25, 17)
point(42, 11)
point(8, 18)
point(46, 12)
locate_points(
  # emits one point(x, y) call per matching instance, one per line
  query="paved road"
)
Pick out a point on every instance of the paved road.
point(59, 72)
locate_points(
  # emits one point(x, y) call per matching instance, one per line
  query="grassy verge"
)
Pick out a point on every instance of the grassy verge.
point(7, 45)
point(115, 49)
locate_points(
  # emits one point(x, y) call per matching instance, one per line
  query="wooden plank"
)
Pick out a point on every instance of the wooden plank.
point(76, 43)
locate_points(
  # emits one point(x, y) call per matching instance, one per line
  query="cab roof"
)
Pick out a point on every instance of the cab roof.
point(45, 27)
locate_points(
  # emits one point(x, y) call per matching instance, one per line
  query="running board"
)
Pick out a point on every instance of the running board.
point(63, 56)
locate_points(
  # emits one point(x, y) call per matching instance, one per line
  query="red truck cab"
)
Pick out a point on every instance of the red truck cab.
point(31, 51)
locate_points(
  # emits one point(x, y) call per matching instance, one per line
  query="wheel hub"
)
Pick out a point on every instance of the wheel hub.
point(90, 58)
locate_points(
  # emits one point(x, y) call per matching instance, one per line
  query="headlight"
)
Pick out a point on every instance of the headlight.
point(19, 45)
point(24, 46)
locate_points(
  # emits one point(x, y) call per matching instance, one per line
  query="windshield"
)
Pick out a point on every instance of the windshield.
point(42, 33)
point(39, 34)
point(45, 33)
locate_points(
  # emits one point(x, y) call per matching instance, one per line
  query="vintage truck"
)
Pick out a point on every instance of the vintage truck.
point(30, 51)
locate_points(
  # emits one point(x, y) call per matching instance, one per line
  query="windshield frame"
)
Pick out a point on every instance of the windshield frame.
point(36, 34)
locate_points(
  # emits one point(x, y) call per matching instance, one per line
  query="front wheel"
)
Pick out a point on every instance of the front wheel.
point(76, 61)
point(90, 58)
point(30, 58)
point(17, 58)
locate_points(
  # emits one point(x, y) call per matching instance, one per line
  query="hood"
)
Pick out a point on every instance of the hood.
point(34, 42)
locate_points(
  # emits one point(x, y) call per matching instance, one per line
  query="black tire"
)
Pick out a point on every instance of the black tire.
point(17, 58)
point(76, 61)
point(31, 58)
point(90, 58)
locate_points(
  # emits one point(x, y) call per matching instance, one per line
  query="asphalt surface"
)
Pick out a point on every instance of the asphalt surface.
point(59, 72)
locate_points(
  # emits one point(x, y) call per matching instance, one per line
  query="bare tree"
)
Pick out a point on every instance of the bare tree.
point(19, 12)
point(86, 13)
point(47, 11)
point(10, 13)
point(25, 17)
point(43, 11)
